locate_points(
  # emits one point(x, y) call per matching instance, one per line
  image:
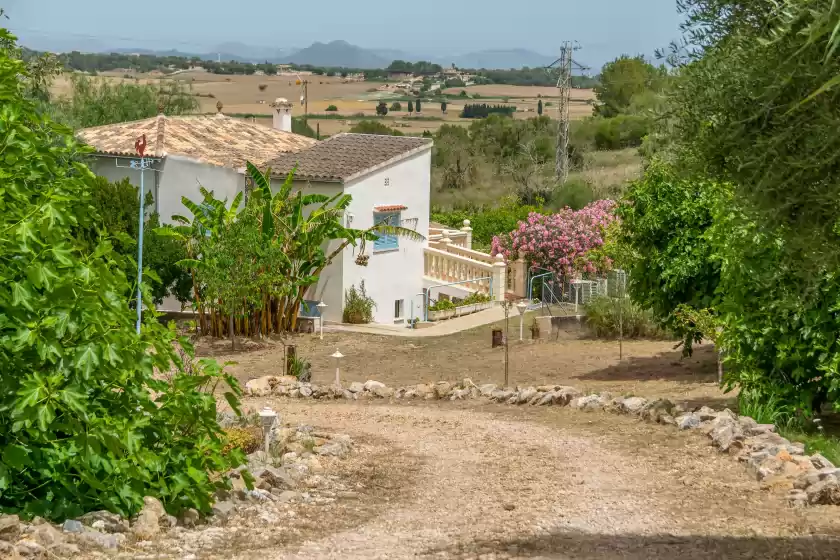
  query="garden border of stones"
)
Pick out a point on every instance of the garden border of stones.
point(777, 463)
point(290, 473)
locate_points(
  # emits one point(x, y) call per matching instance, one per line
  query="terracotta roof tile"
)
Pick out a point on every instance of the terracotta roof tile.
point(217, 140)
point(391, 208)
point(342, 156)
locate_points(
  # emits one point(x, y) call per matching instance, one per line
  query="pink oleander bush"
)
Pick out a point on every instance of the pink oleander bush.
point(561, 242)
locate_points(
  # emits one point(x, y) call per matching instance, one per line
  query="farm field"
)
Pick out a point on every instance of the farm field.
point(241, 95)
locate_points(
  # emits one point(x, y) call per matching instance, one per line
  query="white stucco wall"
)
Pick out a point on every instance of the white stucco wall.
point(171, 178)
point(391, 275)
point(181, 177)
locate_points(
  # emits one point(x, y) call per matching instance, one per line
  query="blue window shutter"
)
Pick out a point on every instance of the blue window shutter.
point(386, 242)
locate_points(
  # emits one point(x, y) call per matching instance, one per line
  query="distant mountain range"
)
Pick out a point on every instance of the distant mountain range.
point(335, 53)
point(338, 53)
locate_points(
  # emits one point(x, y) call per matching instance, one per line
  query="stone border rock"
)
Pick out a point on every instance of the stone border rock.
point(773, 460)
point(291, 473)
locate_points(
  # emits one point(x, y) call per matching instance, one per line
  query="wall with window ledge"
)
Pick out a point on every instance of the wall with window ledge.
point(392, 274)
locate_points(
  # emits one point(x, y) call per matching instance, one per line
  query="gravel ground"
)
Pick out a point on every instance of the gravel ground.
point(482, 481)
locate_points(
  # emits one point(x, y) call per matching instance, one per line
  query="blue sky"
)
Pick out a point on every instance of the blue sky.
point(604, 28)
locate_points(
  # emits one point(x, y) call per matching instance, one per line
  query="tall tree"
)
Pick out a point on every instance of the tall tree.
point(539, 107)
point(410, 107)
point(417, 106)
point(621, 80)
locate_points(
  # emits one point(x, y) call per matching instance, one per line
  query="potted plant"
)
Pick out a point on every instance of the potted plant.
point(358, 306)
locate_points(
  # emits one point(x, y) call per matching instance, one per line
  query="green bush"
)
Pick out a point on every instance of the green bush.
point(475, 297)
point(374, 127)
point(87, 421)
point(575, 194)
point(396, 106)
point(358, 306)
point(623, 131)
point(486, 222)
point(607, 317)
point(442, 305)
point(331, 108)
point(117, 206)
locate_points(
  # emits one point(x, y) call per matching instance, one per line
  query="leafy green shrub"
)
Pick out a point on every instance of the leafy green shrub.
point(623, 131)
point(475, 297)
point(358, 306)
point(486, 222)
point(606, 317)
point(575, 194)
point(331, 108)
point(247, 439)
point(85, 422)
point(117, 206)
point(396, 106)
point(665, 221)
point(374, 127)
point(442, 305)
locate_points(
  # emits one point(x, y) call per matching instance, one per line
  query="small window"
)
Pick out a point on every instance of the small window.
point(387, 181)
point(399, 309)
point(385, 242)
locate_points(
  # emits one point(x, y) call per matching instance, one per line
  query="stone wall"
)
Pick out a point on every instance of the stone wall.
point(774, 461)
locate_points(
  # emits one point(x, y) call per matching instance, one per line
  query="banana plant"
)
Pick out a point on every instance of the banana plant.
point(303, 224)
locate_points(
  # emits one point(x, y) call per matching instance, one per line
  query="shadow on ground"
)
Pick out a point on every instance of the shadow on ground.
point(585, 546)
point(701, 367)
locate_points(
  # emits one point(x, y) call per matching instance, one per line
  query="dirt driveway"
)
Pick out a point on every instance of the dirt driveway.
point(648, 368)
point(481, 481)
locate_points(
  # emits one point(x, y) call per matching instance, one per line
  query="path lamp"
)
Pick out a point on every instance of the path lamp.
point(337, 356)
point(267, 419)
point(522, 307)
point(321, 306)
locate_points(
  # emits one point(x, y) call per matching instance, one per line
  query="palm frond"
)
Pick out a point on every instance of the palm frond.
point(398, 231)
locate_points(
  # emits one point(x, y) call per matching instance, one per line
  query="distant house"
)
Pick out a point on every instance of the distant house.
point(389, 178)
point(392, 75)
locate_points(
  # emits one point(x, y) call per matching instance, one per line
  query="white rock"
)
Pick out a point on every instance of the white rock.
point(261, 386)
point(589, 402)
point(356, 387)
point(633, 405)
point(487, 390)
point(370, 385)
point(688, 422)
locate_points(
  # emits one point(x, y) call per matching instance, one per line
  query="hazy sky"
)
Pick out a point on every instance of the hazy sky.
point(605, 28)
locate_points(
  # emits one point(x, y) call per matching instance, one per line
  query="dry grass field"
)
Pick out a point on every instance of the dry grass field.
point(241, 95)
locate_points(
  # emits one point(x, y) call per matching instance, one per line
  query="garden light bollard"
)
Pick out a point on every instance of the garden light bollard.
point(267, 419)
point(338, 355)
point(321, 306)
point(522, 307)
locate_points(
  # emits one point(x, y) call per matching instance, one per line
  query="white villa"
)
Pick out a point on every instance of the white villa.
point(389, 178)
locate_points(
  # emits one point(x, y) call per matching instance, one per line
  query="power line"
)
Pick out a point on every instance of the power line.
point(564, 83)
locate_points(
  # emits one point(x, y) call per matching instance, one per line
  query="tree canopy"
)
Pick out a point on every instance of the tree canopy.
point(623, 79)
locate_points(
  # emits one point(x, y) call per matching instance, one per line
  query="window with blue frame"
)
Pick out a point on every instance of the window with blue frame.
point(385, 242)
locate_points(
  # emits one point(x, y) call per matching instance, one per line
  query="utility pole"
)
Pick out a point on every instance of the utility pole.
point(564, 83)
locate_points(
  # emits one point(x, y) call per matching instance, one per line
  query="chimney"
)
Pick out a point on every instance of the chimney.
point(282, 114)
